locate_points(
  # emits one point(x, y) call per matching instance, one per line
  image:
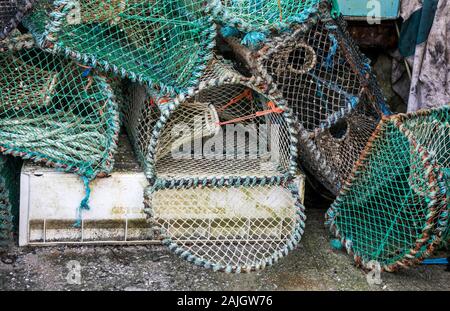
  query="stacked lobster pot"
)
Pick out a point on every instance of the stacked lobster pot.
point(11, 14)
point(58, 103)
point(325, 80)
point(55, 113)
point(9, 197)
point(393, 210)
point(165, 44)
point(221, 162)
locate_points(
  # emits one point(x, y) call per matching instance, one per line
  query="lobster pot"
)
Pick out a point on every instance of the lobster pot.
point(162, 42)
point(394, 208)
point(54, 112)
point(328, 84)
point(331, 154)
point(320, 75)
point(11, 13)
point(227, 127)
point(262, 15)
point(9, 197)
point(221, 164)
point(228, 227)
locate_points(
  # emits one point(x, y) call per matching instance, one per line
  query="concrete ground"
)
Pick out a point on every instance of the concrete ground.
point(313, 266)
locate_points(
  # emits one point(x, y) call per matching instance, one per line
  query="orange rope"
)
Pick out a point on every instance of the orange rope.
point(246, 94)
point(281, 10)
point(273, 109)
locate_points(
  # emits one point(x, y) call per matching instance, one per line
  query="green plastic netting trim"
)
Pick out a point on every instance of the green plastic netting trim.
point(394, 208)
point(168, 50)
point(20, 141)
point(263, 15)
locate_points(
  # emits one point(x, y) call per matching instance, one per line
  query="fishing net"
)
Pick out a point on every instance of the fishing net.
point(228, 228)
point(394, 208)
point(221, 159)
point(328, 84)
point(55, 112)
point(332, 153)
point(9, 197)
point(227, 127)
point(262, 15)
point(161, 42)
point(11, 13)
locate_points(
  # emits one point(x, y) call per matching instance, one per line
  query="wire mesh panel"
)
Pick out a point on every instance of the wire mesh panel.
point(55, 112)
point(227, 227)
point(11, 13)
point(9, 197)
point(227, 127)
point(329, 86)
point(162, 42)
point(262, 15)
point(394, 208)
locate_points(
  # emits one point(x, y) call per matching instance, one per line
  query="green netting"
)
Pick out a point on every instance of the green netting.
point(55, 112)
point(11, 13)
point(162, 42)
point(262, 15)
point(9, 197)
point(394, 208)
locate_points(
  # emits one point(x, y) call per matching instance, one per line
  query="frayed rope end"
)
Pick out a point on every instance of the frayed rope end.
point(228, 31)
point(254, 39)
point(84, 205)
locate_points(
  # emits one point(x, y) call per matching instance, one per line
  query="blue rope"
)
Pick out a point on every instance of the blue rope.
point(332, 52)
point(253, 39)
point(336, 244)
point(84, 205)
point(436, 261)
point(229, 31)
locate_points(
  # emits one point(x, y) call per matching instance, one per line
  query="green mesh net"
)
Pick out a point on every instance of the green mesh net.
point(161, 42)
point(9, 197)
point(262, 15)
point(56, 112)
point(394, 208)
point(11, 13)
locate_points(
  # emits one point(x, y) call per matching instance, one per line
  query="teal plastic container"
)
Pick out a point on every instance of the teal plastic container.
point(359, 9)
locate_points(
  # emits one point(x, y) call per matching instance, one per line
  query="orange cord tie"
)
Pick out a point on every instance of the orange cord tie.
point(246, 94)
point(281, 10)
point(273, 109)
point(163, 101)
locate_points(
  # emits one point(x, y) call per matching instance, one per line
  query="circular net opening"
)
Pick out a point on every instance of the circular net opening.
point(339, 130)
point(302, 59)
